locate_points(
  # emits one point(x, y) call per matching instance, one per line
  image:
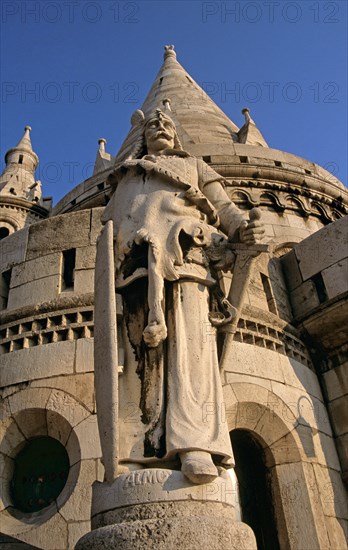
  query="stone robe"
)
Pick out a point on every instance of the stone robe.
point(170, 396)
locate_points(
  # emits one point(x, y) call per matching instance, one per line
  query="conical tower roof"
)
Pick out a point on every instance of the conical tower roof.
point(23, 146)
point(197, 118)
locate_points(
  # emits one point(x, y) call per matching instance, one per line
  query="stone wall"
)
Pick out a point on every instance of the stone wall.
point(47, 370)
point(279, 401)
point(317, 275)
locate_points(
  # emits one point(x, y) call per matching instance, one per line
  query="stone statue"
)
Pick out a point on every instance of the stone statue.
point(172, 223)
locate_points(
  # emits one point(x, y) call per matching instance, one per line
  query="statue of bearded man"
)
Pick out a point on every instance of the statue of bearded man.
point(168, 209)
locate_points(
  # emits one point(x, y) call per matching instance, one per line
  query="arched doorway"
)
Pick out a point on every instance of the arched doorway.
point(255, 492)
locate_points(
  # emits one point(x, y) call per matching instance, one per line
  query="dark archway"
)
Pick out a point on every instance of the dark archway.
point(255, 489)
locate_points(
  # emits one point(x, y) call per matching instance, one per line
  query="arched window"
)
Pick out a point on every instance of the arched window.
point(254, 489)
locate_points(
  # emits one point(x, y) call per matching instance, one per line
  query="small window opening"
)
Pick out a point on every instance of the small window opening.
point(207, 159)
point(243, 160)
point(4, 232)
point(320, 287)
point(5, 288)
point(272, 307)
point(277, 163)
point(101, 186)
point(68, 268)
point(307, 171)
point(20, 160)
point(255, 490)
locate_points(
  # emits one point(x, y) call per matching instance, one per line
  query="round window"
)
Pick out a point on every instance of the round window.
point(41, 469)
point(4, 232)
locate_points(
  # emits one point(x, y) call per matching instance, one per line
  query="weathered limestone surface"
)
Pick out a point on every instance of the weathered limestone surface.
point(58, 234)
point(293, 426)
point(31, 270)
point(323, 249)
point(168, 534)
point(13, 249)
point(317, 274)
point(335, 278)
point(39, 411)
point(40, 290)
point(24, 365)
point(84, 280)
point(160, 508)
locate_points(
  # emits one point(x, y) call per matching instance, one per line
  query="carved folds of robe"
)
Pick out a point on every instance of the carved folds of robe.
point(170, 396)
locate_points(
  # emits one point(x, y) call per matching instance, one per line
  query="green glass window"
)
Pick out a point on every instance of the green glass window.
point(40, 473)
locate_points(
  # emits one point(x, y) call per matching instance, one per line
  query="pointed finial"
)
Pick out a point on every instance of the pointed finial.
point(246, 113)
point(166, 104)
point(169, 52)
point(27, 129)
point(102, 142)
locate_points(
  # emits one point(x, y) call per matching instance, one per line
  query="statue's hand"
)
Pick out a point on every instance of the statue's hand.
point(251, 232)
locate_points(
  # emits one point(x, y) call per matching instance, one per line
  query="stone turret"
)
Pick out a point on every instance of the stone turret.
point(21, 201)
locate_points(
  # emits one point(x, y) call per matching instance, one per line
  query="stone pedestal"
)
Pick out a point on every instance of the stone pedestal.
point(158, 508)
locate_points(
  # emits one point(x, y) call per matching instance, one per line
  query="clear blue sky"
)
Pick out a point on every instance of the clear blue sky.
point(76, 70)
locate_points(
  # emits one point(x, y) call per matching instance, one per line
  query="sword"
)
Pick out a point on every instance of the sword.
point(105, 352)
point(246, 256)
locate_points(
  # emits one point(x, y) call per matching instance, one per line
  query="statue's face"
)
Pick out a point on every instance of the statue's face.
point(159, 135)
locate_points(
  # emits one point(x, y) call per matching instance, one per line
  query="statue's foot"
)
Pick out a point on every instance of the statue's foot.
point(198, 466)
point(154, 334)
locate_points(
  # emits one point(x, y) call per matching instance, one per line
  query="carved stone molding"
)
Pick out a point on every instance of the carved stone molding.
point(250, 194)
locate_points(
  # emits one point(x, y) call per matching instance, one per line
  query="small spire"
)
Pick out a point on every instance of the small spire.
point(23, 147)
point(166, 104)
point(246, 113)
point(102, 142)
point(169, 52)
point(103, 159)
point(249, 132)
point(25, 142)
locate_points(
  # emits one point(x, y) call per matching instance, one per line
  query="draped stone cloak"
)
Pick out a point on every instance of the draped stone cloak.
point(170, 396)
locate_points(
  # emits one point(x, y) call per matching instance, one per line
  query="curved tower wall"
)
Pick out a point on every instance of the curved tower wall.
point(47, 370)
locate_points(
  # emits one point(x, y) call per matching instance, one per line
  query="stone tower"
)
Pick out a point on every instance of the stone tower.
point(21, 200)
point(284, 386)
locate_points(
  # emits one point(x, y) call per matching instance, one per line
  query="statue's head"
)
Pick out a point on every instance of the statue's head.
point(157, 132)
